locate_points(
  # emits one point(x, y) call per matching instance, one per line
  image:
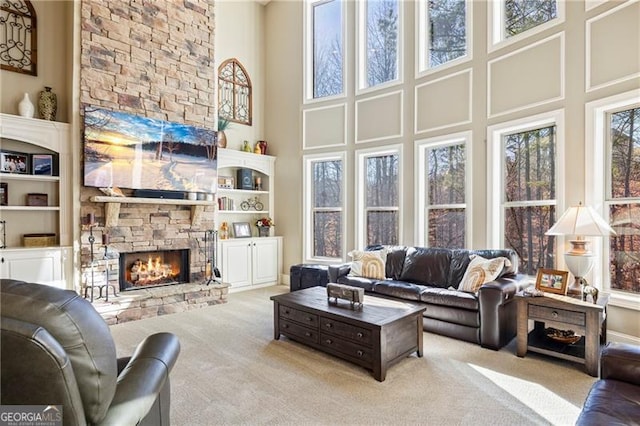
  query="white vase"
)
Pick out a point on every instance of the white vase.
point(25, 107)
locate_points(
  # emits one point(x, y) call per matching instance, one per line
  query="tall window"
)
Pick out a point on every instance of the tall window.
point(445, 195)
point(379, 23)
point(380, 197)
point(327, 47)
point(324, 189)
point(446, 31)
point(623, 199)
point(510, 18)
point(530, 196)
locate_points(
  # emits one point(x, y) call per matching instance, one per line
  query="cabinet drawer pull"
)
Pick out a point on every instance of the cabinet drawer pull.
point(554, 314)
point(285, 325)
point(360, 353)
point(307, 334)
point(329, 325)
point(359, 335)
point(328, 341)
point(309, 318)
point(286, 311)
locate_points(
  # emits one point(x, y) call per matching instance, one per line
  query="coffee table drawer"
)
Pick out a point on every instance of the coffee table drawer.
point(296, 315)
point(341, 329)
point(353, 350)
point(295, 330)
point(555, 314)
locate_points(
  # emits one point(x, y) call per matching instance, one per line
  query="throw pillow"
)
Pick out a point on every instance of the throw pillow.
point(481, 271)
point(368, 264)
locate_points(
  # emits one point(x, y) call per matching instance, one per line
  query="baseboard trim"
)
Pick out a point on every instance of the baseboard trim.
point(614, 336)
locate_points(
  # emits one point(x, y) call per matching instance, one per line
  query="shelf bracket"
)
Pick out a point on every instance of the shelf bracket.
point(196, 215)
point(111, 213)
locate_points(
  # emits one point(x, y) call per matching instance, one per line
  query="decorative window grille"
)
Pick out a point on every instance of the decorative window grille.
point(18, 41)
point(234, 92)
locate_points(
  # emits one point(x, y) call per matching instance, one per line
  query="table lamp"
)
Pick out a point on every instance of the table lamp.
point(580, 221)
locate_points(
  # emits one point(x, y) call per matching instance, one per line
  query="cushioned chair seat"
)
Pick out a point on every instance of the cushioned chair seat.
point(399, 289)
point(446, 297)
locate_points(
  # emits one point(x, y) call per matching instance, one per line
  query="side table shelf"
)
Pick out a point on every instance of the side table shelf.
point(584, 318)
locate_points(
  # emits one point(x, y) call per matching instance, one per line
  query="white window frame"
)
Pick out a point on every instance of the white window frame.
point(597, 181)
point(495, 174)
point(361, 210)
point(308, 52)
point(361, 49)
point(423, 41)
point(421, 166)
point(495, 15)
point(308, 208)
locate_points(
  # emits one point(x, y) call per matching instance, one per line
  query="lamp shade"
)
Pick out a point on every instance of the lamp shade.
point(583, 221)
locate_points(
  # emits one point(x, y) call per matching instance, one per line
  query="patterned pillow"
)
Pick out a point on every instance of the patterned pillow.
point(368, 264)
point(481, 271)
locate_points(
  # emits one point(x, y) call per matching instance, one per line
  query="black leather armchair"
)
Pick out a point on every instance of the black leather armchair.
point(57, 350)
point(615, 398)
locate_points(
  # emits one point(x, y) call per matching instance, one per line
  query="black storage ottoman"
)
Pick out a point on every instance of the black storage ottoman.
point(308, 275)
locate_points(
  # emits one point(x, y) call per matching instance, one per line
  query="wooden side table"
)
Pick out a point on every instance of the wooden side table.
point(565, 313)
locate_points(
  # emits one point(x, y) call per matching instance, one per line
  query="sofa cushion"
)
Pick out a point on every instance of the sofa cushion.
point(427, 266)
point(480, 271)
point(395, 259)
point(366, 283)
point(399, 289)
point(460, 260)
point(453, 316)
point(611, 402)
point(368, 264)
point(449, 297)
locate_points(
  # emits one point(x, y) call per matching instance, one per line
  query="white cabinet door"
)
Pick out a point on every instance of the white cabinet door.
point(43, 266)
point(236, 262)
point(265, 260)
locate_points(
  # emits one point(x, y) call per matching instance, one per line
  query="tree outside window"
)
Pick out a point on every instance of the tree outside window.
point(445, 209)
point(381, 41)
point(447, 31)
point(327, 208)
point(328, 39)
point(522, 15)
point(529, 196)
point(381, 186)
point(623, 200)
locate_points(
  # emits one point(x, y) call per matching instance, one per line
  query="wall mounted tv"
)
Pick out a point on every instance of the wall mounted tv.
point(129, 151)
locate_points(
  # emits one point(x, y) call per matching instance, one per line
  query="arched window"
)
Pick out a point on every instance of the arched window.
point(234, 92)
point(18, 42)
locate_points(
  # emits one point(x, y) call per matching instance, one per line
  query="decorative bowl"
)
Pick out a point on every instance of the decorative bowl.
point(568, 337)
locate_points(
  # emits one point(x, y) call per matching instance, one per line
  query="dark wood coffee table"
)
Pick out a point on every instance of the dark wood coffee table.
point(375, 336)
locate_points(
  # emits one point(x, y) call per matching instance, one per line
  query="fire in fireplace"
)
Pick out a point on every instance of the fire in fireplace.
point(153, 268)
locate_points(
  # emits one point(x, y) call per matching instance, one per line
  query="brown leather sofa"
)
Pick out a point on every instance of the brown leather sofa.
point(57, 350)
point(432, 276)
point(615, 398)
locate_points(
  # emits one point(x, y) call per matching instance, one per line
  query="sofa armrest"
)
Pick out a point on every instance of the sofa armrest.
point(142, 380)
point(497, 313)
point(337, 271)
point(620, 361)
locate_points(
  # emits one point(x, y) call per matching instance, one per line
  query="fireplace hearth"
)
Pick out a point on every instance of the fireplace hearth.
point(146, 269)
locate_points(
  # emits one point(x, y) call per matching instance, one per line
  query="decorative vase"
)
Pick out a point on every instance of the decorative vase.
point(48, 104)
point(263, 147)
point(222, 139)
point(25, 107)
point(257, 149)
point(263, 231)
point(246, 147)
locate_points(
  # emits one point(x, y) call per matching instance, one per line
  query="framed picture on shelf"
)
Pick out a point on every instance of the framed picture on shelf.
point(4, 194)
point(241, 230)
point(42, 164)
point(226, 182)
point(14, 162)
point(552, 281)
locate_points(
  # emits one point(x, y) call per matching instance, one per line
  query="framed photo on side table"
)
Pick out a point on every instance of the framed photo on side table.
point(552, 281)
point(241, 230)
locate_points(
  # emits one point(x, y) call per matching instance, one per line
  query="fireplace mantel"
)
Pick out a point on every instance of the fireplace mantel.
point(112, 206)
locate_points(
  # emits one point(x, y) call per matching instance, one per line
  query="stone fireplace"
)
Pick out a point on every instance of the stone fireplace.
point(156, 268)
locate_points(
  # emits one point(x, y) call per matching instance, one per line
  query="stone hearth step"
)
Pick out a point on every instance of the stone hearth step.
point(150, 302)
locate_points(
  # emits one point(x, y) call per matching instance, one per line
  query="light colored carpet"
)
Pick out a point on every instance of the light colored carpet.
point(232, 371)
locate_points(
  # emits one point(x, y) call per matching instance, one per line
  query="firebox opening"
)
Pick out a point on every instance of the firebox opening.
point(153, 268)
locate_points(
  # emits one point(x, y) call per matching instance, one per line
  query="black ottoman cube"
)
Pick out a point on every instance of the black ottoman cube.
point(308, 275)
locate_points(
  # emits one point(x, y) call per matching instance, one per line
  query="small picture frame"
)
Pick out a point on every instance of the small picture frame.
point(37, 200)
point(42, 164)
point(552, 281)
point(226, 182)
point(4, 194)
point(14, 162)
point(241, 230)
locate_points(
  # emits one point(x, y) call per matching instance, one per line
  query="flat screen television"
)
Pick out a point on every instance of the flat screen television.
point(129, 151)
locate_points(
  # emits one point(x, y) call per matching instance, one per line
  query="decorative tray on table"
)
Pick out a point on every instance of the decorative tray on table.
point(568, 337)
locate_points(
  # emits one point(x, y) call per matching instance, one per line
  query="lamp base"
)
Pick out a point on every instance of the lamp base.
point(576, 288)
